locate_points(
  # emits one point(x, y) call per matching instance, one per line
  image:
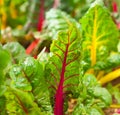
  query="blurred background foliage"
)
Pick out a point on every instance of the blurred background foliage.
point(19, 18)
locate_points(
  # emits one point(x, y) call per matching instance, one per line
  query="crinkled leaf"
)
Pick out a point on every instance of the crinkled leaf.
point(89, 80)
point(33, 70)
point(62, 71)
point(99, 31)
point(103, 95)
point(110, 62)
point(57, 20)
point(115, 91)
point(23, 102)
point(28, 76)
point(19, 79)
point(85, 110)
point(92, 96)
point(87, 84)
point(80, 109)
point(94, 111)
point(17, 51)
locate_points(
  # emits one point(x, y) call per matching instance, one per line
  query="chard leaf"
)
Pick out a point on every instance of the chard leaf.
point(34, 72)
point(21, 102)
point(103, 95)
point(4, 57)
point(94, 111)
point(16, 50)
point(92, 96)
point(110, 62)
point(87, 84)
point(62, 71)
point(5, 60)
point(57, 20)
point(28, 76)
point(86, 110)
point(99, 31)
point(19, 80)
point(115, 91)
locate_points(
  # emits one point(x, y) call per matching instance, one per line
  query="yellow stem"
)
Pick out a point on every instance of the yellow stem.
point(90, 71)
point(100, 74)
point(110, 76)
point(93, 47)
point(13, 10)
point(115, 106)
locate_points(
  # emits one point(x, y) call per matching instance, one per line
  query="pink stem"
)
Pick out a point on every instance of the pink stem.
point(59, 100)
point(39, 28)
point(115, 7)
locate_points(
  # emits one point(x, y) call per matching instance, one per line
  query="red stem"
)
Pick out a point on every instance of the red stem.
point(59, 100)
point(115, 7)
point(41, 16)
point(39, 28)
point(32, 46)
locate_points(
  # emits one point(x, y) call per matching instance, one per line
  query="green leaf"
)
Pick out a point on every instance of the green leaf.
point(28, 76)
point(110, 62)
point(62, 71)
point(89, 80)
point(87, 84)
point(2, 88)
point(5, 60)
point(99, 31)
point(4, 57)
point(23, 102)
point(80, 109)
point(115, 91)
point(86, 110)
point(94, 111)
point(92, 97)
point(103, 95)
point(33, 70)
point(56, 21)
point(2, 105)
point(16, 50)
point(19, 79)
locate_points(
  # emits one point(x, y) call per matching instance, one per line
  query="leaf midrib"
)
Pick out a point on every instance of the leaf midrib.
point(94, 42)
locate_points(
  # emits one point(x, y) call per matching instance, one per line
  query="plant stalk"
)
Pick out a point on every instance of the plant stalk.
point(110, 76)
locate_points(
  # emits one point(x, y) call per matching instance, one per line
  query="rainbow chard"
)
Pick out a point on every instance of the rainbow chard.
point(62, 71)
point(99, 31)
